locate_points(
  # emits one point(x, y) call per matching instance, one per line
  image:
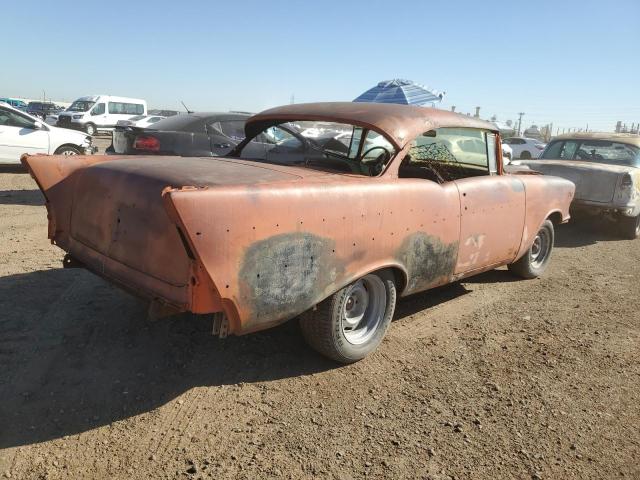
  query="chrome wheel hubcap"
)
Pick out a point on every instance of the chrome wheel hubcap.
point(363, 309)
point(540, 248)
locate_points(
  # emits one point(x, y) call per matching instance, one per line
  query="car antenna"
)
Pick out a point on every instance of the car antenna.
point(185, 107)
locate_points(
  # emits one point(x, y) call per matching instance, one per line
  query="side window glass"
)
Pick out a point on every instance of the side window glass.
point(491, 152)
point(98, 109)
point(553, 150)
point(447, 154)
point(375, 145)
point(569, 150)
point(11, 119)
point(233, 129)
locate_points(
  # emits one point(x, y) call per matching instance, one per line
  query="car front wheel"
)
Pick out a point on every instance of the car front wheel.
point(68, 150)
point(630, 227)
point(351, 323)
point(534, 262)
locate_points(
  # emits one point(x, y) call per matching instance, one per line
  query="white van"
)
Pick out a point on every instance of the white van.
point(100, 112)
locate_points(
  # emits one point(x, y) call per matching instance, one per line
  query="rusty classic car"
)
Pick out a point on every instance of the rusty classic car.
point(605, 167)
point(386, 201)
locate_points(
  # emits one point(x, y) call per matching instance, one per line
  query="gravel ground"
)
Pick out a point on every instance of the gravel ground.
point(489, 378)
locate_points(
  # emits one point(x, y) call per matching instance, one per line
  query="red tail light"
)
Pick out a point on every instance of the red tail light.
point(146, 142)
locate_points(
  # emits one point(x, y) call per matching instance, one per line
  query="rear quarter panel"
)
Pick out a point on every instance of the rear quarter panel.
point(274, 251)
point(546, 197)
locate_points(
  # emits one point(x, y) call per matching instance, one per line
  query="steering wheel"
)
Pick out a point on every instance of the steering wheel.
point(375, 165)
point(353, 166)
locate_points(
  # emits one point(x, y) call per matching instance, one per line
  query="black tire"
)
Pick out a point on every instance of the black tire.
point(525, 155)
point(67, 150)
point(329, 331)
point(534, 262)
point(90, 129)
point(630, 227)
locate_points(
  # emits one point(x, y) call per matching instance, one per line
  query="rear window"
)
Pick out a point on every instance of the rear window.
point(123, 108)
point(596, 151)
point(180, 123)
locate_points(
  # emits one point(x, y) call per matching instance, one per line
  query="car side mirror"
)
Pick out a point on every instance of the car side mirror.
point(38, 126)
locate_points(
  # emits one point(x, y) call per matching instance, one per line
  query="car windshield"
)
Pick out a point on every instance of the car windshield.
point(596, 151)
point(328, 146)
point(80, 106)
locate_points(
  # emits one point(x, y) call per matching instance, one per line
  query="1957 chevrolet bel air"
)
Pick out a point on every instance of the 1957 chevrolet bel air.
point(383, 201)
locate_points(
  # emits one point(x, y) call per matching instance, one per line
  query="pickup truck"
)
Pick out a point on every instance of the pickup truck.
point(331, 231)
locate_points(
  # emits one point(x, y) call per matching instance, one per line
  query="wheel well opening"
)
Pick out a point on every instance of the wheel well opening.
point(399, 277)
point(67, 145)
point(556, 218)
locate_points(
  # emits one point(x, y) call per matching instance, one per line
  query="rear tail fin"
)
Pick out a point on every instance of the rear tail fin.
point(55, 176)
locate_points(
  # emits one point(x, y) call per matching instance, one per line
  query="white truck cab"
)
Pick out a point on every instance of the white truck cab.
point(100, 112)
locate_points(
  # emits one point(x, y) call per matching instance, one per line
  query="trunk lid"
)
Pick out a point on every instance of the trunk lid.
point(595, 182)
point(118, 211)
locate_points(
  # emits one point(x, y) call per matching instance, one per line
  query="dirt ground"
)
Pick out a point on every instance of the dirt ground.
point(488, 378)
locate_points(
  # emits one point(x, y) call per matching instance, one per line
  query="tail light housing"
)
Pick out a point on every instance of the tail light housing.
point(627, 181)
point(147, 143)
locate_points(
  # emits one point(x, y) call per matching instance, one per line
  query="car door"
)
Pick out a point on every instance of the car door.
point(492, 214)
point(98, 115)
point(19, 135)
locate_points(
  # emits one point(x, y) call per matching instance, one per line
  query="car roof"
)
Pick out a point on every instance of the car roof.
point(192, 121)
point(630, 138)
point(399, 123)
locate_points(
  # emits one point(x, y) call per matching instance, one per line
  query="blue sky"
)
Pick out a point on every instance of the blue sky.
point(570, 62)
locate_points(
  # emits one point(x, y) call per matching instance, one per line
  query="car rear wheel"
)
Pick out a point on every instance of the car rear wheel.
point(534, 262)
point(630, 227)
point(351, 323)
point(68, 150)
point(526, 154)
point(90, 129)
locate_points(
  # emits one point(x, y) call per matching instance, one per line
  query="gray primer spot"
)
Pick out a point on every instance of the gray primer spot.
point(517, 185)
point(284, 275)
point(427, 260)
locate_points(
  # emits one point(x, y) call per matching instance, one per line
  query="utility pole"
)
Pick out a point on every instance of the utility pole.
point(521, 114)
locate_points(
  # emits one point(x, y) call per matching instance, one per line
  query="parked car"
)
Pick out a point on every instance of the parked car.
point(15, 103)
point(42, 109)
point(605, 168)
point(21, 133)
point(332, 233)
point(524, 147)
point(507, 152)
point(189, 135)
point(140, 121)
point(100, 112)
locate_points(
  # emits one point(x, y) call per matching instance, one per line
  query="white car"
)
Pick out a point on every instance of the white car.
point(140, 121)
point(523, 147)
point(507, 153)
point(21, 133)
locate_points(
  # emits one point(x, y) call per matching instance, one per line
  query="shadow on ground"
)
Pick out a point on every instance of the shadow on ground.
point(77, 353)
point(582, 232)
point(12, 168)
point(21, 197)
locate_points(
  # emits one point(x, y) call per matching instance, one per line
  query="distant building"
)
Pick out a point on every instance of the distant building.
point(533, 132)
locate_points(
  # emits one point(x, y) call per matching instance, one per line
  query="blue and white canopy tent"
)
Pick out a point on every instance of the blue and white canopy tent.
point(404, 92)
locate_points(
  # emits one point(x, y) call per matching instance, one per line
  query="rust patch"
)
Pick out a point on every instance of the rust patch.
point(285, 275)
point(428, 261)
